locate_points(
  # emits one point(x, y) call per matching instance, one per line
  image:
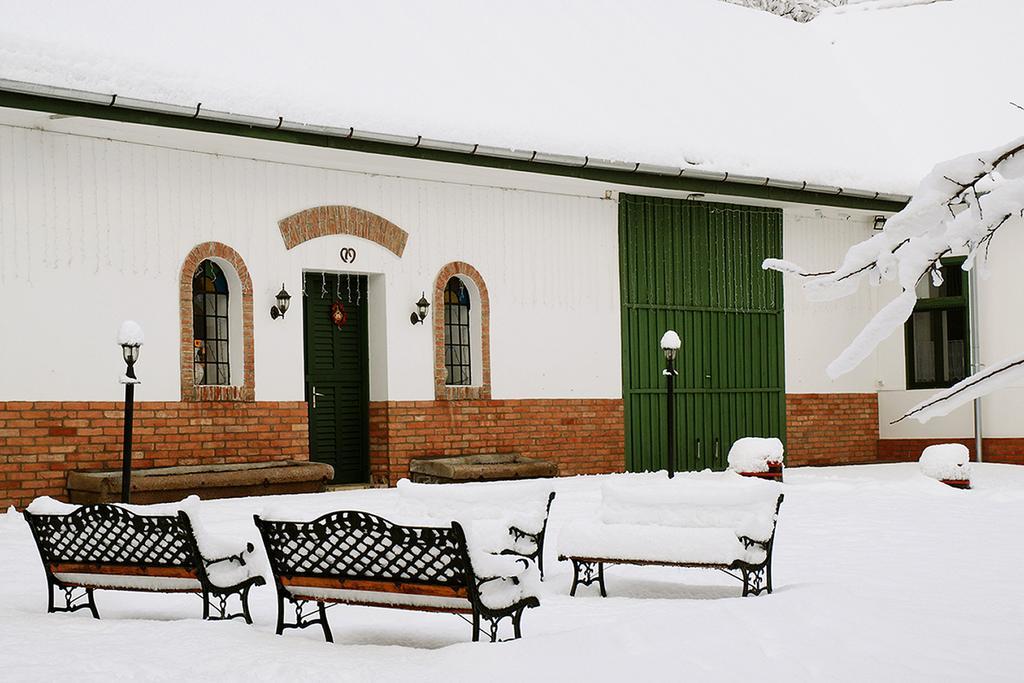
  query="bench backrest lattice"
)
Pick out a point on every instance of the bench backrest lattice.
point(110, 535)
point(362, 546)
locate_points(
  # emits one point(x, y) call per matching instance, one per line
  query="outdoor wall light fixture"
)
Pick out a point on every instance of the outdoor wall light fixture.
point(284, 300)
point(879, 223)
point(421, 310)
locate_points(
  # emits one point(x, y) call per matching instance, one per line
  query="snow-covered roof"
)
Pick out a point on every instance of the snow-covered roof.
point(868, 99)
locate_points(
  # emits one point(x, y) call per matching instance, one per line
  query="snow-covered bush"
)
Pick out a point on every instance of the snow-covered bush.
point(946, 461)
point(754, 454)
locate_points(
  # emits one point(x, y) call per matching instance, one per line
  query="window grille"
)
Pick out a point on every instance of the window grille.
point(457, 344)
point(210, 322)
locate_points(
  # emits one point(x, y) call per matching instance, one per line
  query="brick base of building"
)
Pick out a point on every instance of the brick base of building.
point(1008, 450)
point(584, 436)
point(41, 441)
point(831, 429)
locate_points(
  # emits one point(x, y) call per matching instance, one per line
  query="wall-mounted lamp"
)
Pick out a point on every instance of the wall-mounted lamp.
point(284, 300)
point(421, 310)
point(879, 223)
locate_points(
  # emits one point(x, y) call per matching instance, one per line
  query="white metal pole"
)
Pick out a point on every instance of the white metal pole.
point(975, 329)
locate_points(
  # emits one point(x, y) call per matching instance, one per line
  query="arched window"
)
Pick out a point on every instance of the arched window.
point(211, 325)
point(458, 350)
point(462, 356)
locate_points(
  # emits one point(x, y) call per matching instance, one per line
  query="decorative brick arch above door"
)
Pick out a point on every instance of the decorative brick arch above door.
point(321, 221)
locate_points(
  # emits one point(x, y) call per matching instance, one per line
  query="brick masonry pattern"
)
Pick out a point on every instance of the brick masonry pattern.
point(246, 391)
point(831, 429)
point(321, 221)
point(443, 392)
point(584, 436)
point(41, 441)
point(1005, 450)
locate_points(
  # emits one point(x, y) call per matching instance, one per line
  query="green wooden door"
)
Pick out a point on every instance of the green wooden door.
point(695, 267)
point(337, 375)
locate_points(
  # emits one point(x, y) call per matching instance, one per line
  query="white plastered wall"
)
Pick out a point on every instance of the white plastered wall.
point(94, 231)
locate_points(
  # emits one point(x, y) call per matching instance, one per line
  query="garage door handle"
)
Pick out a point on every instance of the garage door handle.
point(315, 395)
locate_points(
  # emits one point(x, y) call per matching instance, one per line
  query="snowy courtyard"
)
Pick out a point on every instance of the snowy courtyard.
point(880, 574)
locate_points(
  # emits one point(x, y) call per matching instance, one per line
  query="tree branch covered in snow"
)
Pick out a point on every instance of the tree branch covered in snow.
point(797, 10)
point(805, 10)
point(958, 208)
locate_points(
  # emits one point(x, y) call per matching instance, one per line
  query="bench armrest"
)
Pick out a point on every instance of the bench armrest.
point(490, 566)
point(238, 557)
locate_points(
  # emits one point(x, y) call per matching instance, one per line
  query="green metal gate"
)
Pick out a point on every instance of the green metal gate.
point(695, 267)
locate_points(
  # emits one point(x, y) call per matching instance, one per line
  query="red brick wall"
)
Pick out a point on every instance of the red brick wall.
point(41, 441)
point(584, 436)
point(831, 429)
point(1010, 450)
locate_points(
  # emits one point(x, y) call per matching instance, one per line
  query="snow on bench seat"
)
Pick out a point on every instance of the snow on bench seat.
point(724, 523)
point(639, 543)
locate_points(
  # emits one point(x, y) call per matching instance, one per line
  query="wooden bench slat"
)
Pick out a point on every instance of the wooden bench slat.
point(656, 563)
point(378, 586)
point(123, 570)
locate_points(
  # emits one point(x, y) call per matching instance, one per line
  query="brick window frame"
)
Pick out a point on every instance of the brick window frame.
point(190, 391)
point(475, 391)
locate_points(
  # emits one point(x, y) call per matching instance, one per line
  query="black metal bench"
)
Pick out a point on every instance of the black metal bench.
point(756, 576)
point(106, 547)
point(357, 558)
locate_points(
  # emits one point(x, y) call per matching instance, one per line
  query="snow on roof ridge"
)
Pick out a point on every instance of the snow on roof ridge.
point(473, 149)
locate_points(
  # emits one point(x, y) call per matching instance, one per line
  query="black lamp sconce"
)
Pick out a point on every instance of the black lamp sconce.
point(421, 310)
point(284, 299)
point(879, 223)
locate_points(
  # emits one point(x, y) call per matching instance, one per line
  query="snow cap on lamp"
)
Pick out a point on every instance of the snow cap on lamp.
point(130, 334)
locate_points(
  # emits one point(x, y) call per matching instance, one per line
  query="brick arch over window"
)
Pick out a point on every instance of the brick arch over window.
point(236, 391)
point(321, 221)
point(479, 389)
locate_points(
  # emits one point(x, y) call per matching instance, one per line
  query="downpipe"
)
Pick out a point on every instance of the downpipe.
point(976, 366)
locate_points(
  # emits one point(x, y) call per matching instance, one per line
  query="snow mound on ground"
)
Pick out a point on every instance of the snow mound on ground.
point(752, 454)
point(950, 461)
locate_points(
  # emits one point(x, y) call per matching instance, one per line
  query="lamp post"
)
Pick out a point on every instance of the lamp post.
point(670, 344)
point(130, 338)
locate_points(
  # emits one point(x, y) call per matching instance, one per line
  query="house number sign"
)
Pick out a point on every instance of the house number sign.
point(348, 255)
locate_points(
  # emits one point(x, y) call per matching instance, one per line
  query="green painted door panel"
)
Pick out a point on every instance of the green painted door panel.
point(337, 371)
point(695, 267)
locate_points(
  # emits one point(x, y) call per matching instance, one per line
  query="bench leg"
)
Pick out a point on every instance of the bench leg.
point(72, 602)
point(755, 581)
point(590, 575)
point(245, 605)
point(517, 625)
point(476, 626)
point(323, 622)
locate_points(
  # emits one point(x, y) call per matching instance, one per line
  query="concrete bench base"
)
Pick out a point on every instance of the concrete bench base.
point(484, 467)
point(168, 484)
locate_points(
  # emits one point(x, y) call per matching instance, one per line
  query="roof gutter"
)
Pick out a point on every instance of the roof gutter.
point(71, 102)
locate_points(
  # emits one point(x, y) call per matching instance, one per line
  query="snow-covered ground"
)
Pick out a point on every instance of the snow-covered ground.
point(881, 575)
